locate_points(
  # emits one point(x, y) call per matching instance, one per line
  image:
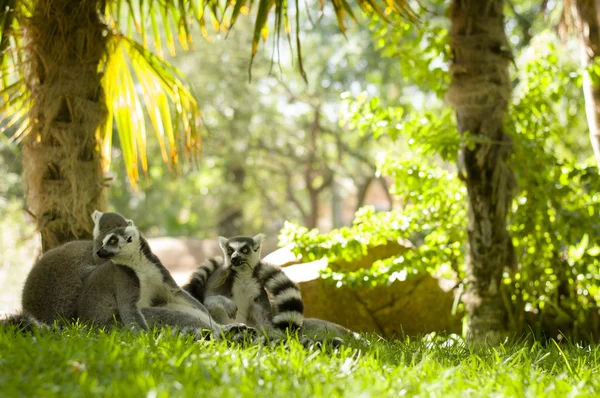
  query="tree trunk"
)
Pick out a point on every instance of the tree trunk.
point(480, 93)
point(337, 205)
point(587, 23)
point(231, 221)
point(361, 196)
point(66, 41)
point(312, 218)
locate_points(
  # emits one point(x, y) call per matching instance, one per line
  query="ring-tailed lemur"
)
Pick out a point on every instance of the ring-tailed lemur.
point(236, 289)
point(55, 281)
point(134, 282)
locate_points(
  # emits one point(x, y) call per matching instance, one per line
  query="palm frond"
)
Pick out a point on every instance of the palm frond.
point(134, 77)
point(341, 8)
point(174, 18)
point(7, 19)
point(15, 100)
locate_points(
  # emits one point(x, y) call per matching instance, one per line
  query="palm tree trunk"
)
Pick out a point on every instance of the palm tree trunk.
point(587, 23)
point(66, 41)
point(480, 93)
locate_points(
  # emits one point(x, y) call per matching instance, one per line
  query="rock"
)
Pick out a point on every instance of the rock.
point(390, 249)
point(283, 257)
point(422, 304)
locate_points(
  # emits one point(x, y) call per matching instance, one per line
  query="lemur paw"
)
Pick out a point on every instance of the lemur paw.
point(225, 304)
point(230, 308)
point(334, 342)
point(239, 333)
point(238, 329)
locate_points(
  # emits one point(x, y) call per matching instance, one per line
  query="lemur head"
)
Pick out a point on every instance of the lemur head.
point(120, 245)
point(241, 250)
point(104, 222)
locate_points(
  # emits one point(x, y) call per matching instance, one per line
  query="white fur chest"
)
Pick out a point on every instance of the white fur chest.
point(244, 291)
point(151, 284)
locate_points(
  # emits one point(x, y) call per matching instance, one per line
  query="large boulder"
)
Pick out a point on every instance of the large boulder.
point(421, 304)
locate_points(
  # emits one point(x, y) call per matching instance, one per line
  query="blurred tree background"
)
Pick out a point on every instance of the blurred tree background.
point(298, 159)
point(276, 148)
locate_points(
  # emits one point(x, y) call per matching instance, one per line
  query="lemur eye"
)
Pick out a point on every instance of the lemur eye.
point(230, 251)
point(129, 239)
point(112, 241)
point(245, 250)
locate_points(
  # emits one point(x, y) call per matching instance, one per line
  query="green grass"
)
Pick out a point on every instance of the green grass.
point(78, 362)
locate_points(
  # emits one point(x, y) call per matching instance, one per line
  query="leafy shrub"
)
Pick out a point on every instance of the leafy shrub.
point(553, 221)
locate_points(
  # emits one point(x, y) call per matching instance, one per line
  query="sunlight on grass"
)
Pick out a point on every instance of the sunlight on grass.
point(79, 362)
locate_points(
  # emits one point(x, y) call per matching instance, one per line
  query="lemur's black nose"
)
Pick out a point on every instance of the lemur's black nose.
point(236, 260)
point(103, 253)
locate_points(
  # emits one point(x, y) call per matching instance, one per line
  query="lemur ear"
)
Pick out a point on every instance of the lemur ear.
point(130, 222)
point(96, 216)
point(132, 232)
point(222, 242)
point(258, 239)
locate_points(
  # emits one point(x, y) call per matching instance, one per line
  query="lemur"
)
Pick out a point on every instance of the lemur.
point(136, 289)
point(213, 284)
point(55, 281)
point(235, 289)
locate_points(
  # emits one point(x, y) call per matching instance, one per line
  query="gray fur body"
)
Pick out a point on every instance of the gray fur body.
point(110, 294)
point(56, 279)
point(239, 298)
point(138, 291)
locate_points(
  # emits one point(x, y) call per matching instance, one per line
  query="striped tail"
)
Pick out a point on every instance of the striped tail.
point(197, 283)
point(287, 299)
point(22, 322)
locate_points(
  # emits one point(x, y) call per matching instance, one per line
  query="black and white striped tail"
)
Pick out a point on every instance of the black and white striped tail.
point(197, 283)
point(287, 299)
point(22, 322)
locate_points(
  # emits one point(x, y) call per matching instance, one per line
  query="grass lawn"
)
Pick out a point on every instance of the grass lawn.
point(78, 362)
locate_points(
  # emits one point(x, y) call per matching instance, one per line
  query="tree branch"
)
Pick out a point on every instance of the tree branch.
point(291, 196)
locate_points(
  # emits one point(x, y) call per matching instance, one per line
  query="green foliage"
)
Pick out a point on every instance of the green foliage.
point(158, 364)
point(556, 209)
point(433, 209)
point(554, 217)
point(422, 50)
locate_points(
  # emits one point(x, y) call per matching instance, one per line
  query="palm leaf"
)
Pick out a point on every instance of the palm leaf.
point(165, 97)
point(7, 24)
point(264, 7)
point(341, 8)
point(171, 17)
point(15, 99)
point(175, 17)
point(120, 99)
